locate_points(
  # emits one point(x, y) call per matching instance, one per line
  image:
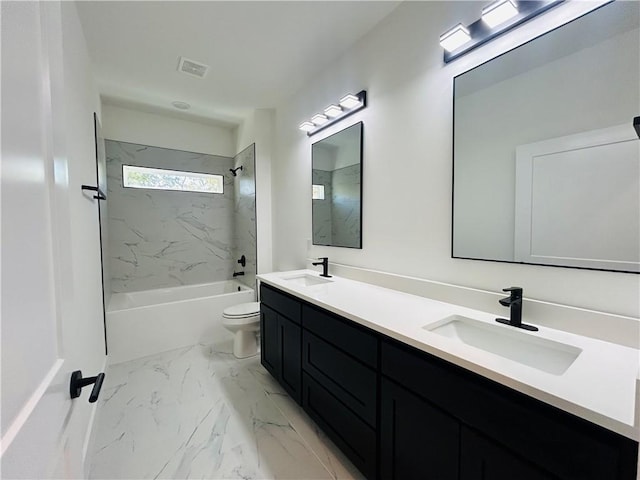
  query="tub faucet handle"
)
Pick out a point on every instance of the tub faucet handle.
point(243, 261)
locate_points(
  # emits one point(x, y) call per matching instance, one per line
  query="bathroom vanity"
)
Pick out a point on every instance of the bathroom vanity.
point(393, 380)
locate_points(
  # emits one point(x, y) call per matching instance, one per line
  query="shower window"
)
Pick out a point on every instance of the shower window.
point(161, 179)
point(318, 192)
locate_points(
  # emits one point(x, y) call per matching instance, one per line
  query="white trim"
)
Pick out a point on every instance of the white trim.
point(29, 407)
point(89, 437)
point(524, 197)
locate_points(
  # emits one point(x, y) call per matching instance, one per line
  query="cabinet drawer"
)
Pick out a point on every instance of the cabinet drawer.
point(350, 381)
point(280, 302)
point(354, 437)
point(567, 446)
point(355, 340)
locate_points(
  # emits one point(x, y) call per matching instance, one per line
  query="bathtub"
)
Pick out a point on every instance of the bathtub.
point(153, 321)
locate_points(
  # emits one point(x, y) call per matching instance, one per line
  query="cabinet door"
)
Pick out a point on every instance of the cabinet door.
point(483, 459)
point(290, 354)
point(418, 441)
point(270, 341)
point(354, 437)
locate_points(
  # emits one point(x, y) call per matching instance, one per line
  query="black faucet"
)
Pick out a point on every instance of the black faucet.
point(325, 266)
point(237, 274)
point(514, 302)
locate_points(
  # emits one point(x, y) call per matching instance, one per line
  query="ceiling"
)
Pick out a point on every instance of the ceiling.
point(259, 52)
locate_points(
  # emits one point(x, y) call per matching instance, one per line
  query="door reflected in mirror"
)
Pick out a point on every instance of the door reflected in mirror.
point(337, 189)
point(546, 159)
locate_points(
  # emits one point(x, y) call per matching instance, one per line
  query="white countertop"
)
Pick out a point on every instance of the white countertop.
point(599, 386)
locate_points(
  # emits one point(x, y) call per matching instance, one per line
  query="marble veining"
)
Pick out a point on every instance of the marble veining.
point(200, 413)
point(336, 218)
point(160, 238)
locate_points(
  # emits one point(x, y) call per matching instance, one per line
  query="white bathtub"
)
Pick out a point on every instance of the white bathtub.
point(153, 321)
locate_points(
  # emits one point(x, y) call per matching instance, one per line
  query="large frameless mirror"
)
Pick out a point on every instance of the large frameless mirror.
point(337, 189)
point(546, 159)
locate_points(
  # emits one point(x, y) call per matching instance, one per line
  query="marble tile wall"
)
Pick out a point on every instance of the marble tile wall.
point(345, 203)
point(336, 219)
point(321, 209)
point(160, 238)
point(244, 242)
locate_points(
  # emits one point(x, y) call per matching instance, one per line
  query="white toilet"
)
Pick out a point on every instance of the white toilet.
point(244, 321)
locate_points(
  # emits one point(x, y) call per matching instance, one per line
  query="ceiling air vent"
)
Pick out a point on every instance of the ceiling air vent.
point(192, 68)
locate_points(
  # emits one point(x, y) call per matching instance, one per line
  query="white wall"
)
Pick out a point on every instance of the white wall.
point(134, 126)
point(407, 162)
point(259, 128)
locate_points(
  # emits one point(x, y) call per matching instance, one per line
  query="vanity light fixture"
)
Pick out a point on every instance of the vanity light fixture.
point(334, 113)
point(497, 18)
point(455, 38)
point(499, 12)
point(319, 119)
point(307, 126)
point(350, 101)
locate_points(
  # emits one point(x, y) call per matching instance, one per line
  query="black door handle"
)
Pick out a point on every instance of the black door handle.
point(99, 193)
point(77, 383)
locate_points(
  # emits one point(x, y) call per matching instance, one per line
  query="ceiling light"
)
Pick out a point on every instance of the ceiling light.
point(454, 38)
point(181, 105)
point(319, 119)
point(333, 111)
point(306, 126)
point(350, 101)
point(499, 12)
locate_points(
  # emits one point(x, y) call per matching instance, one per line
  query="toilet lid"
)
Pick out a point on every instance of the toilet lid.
point(242, 310)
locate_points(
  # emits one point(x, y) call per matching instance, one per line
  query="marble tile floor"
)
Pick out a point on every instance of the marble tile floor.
point(199, 413)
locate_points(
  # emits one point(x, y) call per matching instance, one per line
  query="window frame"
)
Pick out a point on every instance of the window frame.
point(172, 170)
point(323, 191)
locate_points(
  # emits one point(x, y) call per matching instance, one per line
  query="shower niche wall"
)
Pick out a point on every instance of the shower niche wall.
point(165, 238)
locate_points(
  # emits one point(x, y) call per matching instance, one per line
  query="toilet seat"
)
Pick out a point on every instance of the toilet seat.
point(243, 321)
point(242, 311)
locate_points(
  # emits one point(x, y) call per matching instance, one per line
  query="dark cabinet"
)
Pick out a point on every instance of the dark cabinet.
point(483, 459)
point(340, 384)
point(400, 413)
point(281, 340)
point(518, 436)
point(417, 440)
point(269, 341)
point(290, 338)
point(354, 437)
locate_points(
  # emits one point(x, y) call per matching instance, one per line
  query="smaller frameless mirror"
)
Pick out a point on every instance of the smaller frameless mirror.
point(337, 189)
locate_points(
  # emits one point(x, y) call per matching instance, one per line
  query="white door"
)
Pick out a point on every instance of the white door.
point(578, 200)
point(42, 428)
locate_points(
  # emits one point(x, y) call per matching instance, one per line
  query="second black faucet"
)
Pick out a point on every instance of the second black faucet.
point(514, 302)
point(325, 266)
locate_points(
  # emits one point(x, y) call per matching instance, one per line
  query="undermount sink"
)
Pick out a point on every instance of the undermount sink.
point(307, 280)
point(508, 342)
